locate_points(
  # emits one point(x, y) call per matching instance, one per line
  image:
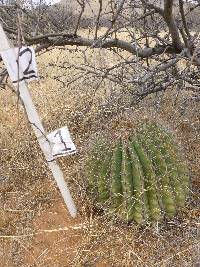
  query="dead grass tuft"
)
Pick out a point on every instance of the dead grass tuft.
point(35, 228)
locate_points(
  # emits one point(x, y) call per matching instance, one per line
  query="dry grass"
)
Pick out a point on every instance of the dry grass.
point(35, 228)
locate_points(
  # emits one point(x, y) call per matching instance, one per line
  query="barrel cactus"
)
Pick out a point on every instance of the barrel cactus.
point(140, 177)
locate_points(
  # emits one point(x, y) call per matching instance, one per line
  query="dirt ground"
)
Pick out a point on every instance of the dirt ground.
point(35, 226)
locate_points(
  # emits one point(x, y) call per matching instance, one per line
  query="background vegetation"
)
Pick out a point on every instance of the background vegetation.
point(103, 66)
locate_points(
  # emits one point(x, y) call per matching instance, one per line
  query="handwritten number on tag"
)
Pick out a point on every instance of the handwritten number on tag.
point(62, 141)
point(28, 73)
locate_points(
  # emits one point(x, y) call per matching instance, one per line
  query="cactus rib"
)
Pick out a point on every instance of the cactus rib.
point(149, 181)
point(163, 177)
point(116, 184)
point(127, 184)
point(138, 189)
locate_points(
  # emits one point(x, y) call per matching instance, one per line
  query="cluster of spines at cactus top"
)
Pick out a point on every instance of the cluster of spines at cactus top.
point(141, 178)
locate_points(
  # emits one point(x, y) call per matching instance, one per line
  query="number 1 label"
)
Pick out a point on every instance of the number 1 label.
point(61, 143)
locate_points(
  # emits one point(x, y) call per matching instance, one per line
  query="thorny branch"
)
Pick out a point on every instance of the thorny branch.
point(154, 36)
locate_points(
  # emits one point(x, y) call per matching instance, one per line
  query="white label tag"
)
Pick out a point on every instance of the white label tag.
point(61, 143)
point(20, 63)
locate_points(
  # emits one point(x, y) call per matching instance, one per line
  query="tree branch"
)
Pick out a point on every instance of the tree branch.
point(171, 23)
point(181, 8)
point(70, 39)
point(98, 18)
point(82, 5)
point(153, 6)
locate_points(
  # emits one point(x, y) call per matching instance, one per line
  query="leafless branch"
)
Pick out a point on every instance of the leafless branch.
point(181, 8)
point(82, 5)
point(98, 18)
point(149, 41)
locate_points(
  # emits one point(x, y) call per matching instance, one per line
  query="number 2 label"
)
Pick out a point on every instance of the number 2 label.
point(20, 63)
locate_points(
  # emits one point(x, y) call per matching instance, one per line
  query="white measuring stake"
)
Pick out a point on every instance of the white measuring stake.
point(39, 132)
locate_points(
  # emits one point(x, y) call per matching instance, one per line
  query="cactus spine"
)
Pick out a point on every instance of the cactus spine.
point(138, 188)
point(149, 182)
point(160, 167)
point(140, 178)
point(116, 172)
